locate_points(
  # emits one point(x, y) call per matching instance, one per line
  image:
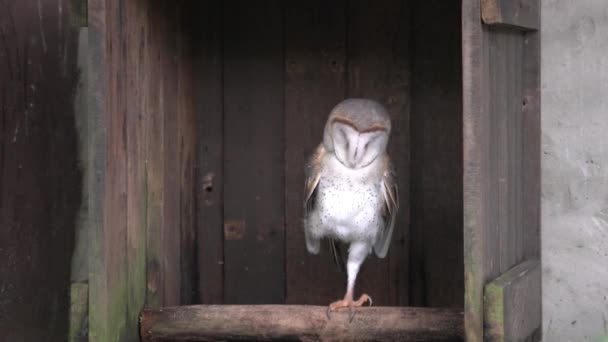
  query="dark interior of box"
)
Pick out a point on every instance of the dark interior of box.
point(267, 75)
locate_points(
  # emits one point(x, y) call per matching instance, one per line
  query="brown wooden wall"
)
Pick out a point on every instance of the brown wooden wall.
point(40, 179)
point(142, 140)
point(202, 114)
point(268, 76)
point(437, 265)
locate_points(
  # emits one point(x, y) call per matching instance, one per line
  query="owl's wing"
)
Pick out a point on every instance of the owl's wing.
point(389, 209)
point(312, 174)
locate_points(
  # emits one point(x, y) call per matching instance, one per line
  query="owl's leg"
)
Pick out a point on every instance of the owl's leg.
point(357, 253)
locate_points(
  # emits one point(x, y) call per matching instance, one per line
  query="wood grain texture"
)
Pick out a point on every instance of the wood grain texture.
point(475, 137)
point(107, 278)
point(155, 160)
point(521, 14)
point(496, 174)
point(143, 143)
point(378, 67)
point(436, 165)
point(314, 83)
point(186, 151)
point(513, 304)
point(210, 129)
point(41, 180)
point(302, 323)
point(505, 230)
point(136, 168)
point(531, 141)
point(254, 264)
point(170, 235)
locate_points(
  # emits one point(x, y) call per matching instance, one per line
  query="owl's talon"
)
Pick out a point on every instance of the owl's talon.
point(347, 302)
point(352, 313)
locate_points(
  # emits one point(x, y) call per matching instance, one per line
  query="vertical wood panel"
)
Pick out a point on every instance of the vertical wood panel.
point(114, 200)
point(136, 81)
point(505, 60)
point(498, 184)
point(475, 136)
point(531, 138)
point(315, 83)
point(40, 170)
point(210, 127)
point(155, 159)
point(436, 240)
point(254, 152)
point(379, 68)
point(97, 90)
point(143, 126)
point(186, 150)
point(170, 230)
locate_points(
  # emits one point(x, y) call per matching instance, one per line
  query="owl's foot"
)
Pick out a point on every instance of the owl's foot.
point(350, 304)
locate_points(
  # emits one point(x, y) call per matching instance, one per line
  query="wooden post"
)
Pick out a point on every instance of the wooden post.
point(300, 322)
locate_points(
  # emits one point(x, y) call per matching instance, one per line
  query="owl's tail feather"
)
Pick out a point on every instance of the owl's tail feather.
point(339, 252)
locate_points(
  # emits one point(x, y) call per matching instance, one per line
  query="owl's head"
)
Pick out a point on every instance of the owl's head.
point(357, 132)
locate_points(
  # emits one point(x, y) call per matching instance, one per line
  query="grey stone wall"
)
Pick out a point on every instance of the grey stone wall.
point(575, 169)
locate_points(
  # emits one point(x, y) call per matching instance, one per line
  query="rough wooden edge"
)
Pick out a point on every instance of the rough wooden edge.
point(521, 14)
point(79, 312)
point(300, 322)
point(510, 304)
point(473, 138)
point(99, 309)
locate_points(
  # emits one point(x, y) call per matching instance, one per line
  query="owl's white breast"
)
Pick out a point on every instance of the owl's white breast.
point(348, 202)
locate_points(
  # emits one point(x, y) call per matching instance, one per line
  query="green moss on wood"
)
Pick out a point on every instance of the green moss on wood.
point(79, 312)
point(79, 13)
point(494, 313)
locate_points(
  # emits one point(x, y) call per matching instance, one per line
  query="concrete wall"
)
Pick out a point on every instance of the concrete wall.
point(575, 169)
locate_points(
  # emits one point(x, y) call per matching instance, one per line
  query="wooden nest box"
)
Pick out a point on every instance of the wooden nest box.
point(203, 114)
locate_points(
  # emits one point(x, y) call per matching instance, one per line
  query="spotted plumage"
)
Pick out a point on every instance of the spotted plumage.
point(350, 189)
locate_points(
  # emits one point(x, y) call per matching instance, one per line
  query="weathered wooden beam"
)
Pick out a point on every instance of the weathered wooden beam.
point(522, 14)
point(513, 304)
point(300, 322)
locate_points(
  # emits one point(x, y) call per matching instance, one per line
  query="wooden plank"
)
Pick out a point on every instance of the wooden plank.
point(505, 51)
point(254, 152)
point(531, 139)
point(497, 220)
point(109, 267)
point(41, 181)
point(170, 265)
point(210, 130)
point(155, 158)
point(97, 90)
point(475, 168)
point(296, 322)
point(143, 242)
point(378, 67)
point(186, 150)
point(521, 14)
point(135, 70)
point(436, 166)
point(513, 304)
point(315, 83)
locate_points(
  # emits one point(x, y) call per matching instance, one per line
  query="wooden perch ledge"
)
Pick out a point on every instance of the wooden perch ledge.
point(299, 323)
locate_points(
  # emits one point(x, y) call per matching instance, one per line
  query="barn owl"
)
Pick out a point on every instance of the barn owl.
point(350, 190)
